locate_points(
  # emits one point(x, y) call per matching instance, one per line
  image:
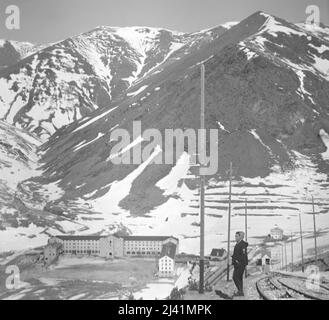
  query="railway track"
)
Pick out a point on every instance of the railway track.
point(289, 288)
point(320, 292)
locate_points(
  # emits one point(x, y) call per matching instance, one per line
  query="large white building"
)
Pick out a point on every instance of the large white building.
point(113, 246)
point(103, 246)
point(148, 246)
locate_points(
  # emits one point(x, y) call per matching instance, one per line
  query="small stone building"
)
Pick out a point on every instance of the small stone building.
point(217, 254)
point(276, 233)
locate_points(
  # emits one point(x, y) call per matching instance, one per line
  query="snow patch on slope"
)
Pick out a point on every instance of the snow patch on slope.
point(120, 189)
point(325, 138)
point(170, 182)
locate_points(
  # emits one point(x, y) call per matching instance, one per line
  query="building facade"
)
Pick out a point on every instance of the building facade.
point(146, 246)
point(89, 245)
point(110, 247)
point(277, 233)
point(113, 246)
point(167, 260)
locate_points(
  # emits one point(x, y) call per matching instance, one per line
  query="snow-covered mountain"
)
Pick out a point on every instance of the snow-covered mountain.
point(13, 51)
point(66, 81)
point(267, 92)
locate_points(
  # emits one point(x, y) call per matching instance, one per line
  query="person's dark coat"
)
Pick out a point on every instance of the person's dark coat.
point(240, 254)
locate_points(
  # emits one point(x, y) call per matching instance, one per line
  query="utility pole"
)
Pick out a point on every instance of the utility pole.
point(285, 255)
point(229, 226)
point(246, 227)
point(282, 258)
point(292, 254)
point(314, 225)
point(301, 241)
point(202, 181)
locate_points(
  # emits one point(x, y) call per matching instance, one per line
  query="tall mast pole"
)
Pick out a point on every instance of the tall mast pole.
point(202, 180)
point(285, 255)
point(301, 241)
point(282, 257)
point(292, 254)
point(246, 227)
point(229, 226)
point(314, 226)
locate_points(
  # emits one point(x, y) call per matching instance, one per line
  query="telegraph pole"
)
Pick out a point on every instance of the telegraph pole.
point(246, 219)
point(229, 226)
point(314, 225)
point(301, 241)
point(282, 258)
point(202, 181)
point(292, 254)
point(285, 255)
point(246, 227)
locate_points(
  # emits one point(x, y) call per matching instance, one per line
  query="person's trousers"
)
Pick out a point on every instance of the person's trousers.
point(238, 277)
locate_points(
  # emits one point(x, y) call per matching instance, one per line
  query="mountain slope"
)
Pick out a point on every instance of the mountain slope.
point(68, 80)
point(13, 51)
point(266, 93)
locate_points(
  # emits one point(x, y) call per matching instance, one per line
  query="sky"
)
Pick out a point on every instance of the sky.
point(44, 21)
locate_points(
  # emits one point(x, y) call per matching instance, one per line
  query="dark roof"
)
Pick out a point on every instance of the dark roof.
point(168, 249)
point(70, 237)
point(277, 229)
point(148, 238)
point(217, 252)
point(139, 238)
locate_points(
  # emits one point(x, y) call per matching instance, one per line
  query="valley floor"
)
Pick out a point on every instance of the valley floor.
point(89, 278)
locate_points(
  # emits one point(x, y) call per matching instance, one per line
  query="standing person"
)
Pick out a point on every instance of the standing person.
point(239, 261)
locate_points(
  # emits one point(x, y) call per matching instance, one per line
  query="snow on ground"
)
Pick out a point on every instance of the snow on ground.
point(155, 290)
point(257, 137)
point(52, 191)
point(230, 24)
point(273, 27)
point(138, 91)
point(325, 138)
point(77, 296)
point(170, 182)
point(121, 189)
point(89, 142)
point(273, 200)
point(249, 53)
point(161, 288)
point(22, 238)
point(70, 226)
point(18, 156)
point(137, 141)
point(222, 127)
point(67, 261)
point(94, 119)
point(183, 276)
point(320, 49)
point(7, 259)
point(319, 67)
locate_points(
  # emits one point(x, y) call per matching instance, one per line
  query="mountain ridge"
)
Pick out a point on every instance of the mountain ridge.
point(266, 93)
